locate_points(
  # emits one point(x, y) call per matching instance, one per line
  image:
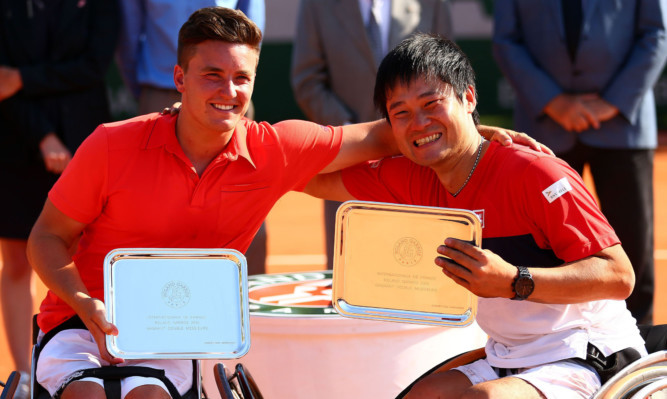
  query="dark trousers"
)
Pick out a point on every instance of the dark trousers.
point(256, 253)
point(624, 185)
point(330, 208)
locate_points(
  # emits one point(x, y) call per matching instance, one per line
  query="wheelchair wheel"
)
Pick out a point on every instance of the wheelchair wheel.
point(9, 388)
point(621, 383)
point(224, 388)
point(654, 390)
point(629, 385)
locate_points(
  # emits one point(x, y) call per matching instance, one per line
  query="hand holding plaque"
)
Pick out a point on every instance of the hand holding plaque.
point(177, 303)
point(384, 263)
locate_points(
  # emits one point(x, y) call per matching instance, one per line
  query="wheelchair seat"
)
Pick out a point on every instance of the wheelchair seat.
point(229, 267)
point(110, 375)
point(644, 377)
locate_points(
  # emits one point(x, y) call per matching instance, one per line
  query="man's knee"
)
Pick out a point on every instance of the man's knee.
point(450, 384)
point(148, 392)
point(83, 390)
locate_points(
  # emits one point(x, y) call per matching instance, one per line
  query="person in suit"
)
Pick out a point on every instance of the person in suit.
point(334, 59)
point(583, 74)
point(53, 60)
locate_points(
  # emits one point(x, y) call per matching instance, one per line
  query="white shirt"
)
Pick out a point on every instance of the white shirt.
point(525, 333)
point(382, 13)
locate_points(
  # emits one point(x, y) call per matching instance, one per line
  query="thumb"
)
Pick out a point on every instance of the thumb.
point(104, 325)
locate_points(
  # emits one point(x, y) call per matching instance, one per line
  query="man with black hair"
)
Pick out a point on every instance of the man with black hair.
point(551, 275)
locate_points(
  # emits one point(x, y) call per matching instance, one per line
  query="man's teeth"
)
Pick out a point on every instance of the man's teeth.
point(426, 140)
point(223, 107)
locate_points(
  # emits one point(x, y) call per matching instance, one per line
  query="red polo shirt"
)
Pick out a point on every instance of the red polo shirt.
point(133, 186)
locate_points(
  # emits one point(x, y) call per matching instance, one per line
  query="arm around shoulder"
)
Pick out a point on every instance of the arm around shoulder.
point(363, 142)
point(328, 186)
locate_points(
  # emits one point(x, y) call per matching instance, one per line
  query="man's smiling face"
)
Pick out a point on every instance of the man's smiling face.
point(428, 118)
point(217, 84)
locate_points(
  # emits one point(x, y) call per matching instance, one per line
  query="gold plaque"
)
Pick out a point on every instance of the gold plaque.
point(384, 265)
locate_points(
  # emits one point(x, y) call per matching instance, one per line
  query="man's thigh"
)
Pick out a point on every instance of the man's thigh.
point(559, 380)
point(72, 350)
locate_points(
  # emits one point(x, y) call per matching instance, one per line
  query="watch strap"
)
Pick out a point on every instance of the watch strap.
point(523, 273)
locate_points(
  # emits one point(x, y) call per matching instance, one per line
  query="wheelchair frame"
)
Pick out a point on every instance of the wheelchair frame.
point(643, 377)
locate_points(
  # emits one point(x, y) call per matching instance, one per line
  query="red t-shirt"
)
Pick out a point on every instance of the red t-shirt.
point(507, 191)
point(133, 186)
point(536, 212)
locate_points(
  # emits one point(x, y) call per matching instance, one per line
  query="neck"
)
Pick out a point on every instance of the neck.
point(200, 145)
point(458, 174)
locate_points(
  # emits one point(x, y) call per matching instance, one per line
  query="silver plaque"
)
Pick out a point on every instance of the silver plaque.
point(384, 263)
point(177, 303)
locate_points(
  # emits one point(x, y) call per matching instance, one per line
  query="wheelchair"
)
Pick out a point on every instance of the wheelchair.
point(638, 380)
point(220, 270)
point(236, 385)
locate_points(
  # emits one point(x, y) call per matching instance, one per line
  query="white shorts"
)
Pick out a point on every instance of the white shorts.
point(559, 380)
point(73, 350)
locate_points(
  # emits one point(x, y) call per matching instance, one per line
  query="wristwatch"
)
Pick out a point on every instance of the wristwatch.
point(523, 284)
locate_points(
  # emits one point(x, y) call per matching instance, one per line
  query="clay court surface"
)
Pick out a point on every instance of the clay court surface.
point(296, 243)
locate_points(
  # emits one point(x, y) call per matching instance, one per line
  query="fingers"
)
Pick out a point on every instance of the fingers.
point(588, 96)
point(93, 313)
point(590, 118)
point(100, 340)
point(545, 149)
point(100, 330)
point(55, 154)
point(460, 246)
point(524, 139)
point(457, 258)
point(173, 110)
point(531, 142)
point(536, 145)
point(56, 162)
point(454, 271)
point(503, 138)
point(106, 327)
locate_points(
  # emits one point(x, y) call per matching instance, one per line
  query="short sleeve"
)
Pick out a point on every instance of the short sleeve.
point(307, 148)
point(80, 192)
point(563, 209)
point(384, 180)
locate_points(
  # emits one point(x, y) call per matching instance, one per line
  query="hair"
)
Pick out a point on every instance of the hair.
point(427, 56)
point(216, 23)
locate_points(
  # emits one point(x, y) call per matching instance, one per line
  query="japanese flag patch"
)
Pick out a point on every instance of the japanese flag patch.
point(557, 189)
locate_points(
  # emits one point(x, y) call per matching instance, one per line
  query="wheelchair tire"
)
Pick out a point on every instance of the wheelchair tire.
point(635, 381)
point(11, 385)
point(652, 390)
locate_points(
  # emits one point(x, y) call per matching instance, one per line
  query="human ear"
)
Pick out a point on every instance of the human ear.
point(470, 99)
point(179, 78)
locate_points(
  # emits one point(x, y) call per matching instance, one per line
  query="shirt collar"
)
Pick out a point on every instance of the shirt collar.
point(163, 134)
point(238, 145)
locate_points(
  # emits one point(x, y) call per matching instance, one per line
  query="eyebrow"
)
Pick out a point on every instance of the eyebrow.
point(210, 68)
point(423, 95)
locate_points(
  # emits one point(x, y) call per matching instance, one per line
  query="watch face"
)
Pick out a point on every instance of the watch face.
point(524, 286)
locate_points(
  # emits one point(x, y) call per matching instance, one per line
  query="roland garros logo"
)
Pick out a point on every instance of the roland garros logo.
point(176, 294)
point(295, 294)
point(408, 251)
